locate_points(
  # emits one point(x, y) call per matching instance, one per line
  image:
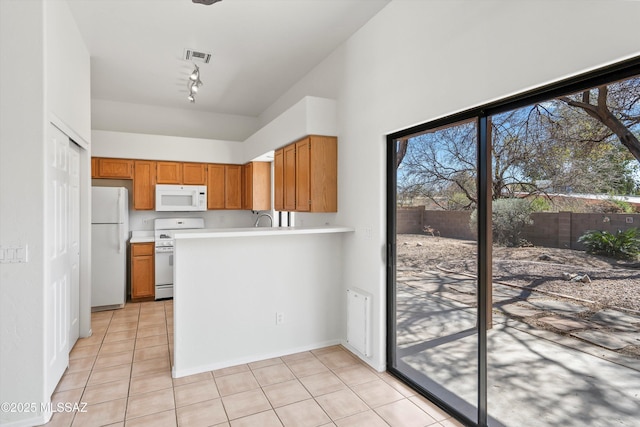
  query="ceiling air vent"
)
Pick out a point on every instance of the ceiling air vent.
point(194, 55)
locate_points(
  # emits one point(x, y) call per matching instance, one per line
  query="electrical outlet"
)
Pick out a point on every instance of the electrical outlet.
point(279, 318)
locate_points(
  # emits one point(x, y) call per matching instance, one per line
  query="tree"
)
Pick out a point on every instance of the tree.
point(575, 153)
point(615, 106)
point(441, 163)
point(586, 142)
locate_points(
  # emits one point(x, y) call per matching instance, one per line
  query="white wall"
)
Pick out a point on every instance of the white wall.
point(229, 289)
point(159, 147)
point(309, 116)
point(68, 107)
point(68, 80)
point(419, 60)
point(33, 88)
point(184, 122)
point(21, 222)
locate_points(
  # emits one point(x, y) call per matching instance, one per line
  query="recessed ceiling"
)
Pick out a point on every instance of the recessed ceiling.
point(259, 48)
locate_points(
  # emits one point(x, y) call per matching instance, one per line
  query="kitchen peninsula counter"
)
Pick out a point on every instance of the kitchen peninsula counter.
point(259, 231)
point(247, 294)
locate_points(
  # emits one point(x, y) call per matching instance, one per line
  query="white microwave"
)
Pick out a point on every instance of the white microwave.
point(181, 198)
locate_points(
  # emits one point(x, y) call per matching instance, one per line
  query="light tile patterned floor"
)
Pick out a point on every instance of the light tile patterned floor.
point(123, 373)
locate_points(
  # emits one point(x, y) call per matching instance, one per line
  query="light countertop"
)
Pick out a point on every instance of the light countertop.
point(142, 237)
point(259, 232)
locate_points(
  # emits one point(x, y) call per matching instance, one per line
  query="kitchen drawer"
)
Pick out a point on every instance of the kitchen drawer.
point(142, 249)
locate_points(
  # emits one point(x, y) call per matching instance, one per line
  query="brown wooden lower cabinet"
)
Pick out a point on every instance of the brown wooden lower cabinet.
point(142, 271)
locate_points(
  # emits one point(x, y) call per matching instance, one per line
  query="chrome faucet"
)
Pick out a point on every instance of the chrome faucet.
point(262, 215)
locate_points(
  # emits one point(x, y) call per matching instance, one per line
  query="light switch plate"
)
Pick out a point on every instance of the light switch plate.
point(14, 254)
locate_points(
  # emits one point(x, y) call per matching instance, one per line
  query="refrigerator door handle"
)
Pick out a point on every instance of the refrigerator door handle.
point(120, 237)
point(120, 223)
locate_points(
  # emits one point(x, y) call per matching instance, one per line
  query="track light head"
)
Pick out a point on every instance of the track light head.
point(206, 2)
point(194, 83)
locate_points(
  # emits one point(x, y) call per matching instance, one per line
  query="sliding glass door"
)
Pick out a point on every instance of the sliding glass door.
point(513, 248)
point(434, 333)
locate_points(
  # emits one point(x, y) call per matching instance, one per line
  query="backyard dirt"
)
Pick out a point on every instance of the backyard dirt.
point(614, 283)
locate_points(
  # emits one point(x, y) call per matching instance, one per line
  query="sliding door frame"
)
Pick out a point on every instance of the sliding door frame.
point(482, 115)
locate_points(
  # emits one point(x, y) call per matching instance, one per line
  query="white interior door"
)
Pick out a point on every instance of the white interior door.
point(58, 277)
point(74, 242)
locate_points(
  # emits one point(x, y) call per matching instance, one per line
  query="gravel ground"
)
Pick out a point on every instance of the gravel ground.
point(614, 283)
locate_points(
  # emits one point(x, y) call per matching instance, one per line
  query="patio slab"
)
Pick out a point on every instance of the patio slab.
point(465, 288)
point(617, 320)
point(562, 307)
point(463, 298)
point(515, 309)
point(532, 381)
point(632, 338)
point(565, 323)
point(602, 338)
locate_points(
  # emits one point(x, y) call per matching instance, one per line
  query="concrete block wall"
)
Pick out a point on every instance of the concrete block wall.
point(580, 223)
point(549, 229)
point(544, 230)
point(409, 220)
point(452, 224)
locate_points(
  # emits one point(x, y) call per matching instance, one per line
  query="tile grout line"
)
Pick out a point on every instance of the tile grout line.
point(173, 385)
point(126, 407)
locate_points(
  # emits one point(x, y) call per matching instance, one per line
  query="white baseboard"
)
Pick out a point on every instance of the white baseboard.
point(250, 359)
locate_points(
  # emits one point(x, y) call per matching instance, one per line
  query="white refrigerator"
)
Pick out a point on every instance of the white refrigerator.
point(109, 235)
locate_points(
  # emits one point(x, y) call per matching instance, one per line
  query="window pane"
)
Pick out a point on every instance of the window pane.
point(435, 286)
point(561, 315)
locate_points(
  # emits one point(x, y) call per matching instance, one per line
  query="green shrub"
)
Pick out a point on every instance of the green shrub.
point(624, 207)
point(509, 218)
point(623, 244)
point(540, 204)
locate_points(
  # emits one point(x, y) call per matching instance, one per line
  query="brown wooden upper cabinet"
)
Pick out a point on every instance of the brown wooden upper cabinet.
point(278, 180)
point(144, 185)
point(225, 185)
point(194, 174)
point(181, 173)
point(233, 186)
point(309, 175)
point(112, 168)
point(169, 172)
point(215, 186)
point(256, 193)
point(289, 177)
point(94, 167)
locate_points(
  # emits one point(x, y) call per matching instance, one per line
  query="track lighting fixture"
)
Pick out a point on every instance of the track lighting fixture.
point(206, 2)
point(194, 83)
